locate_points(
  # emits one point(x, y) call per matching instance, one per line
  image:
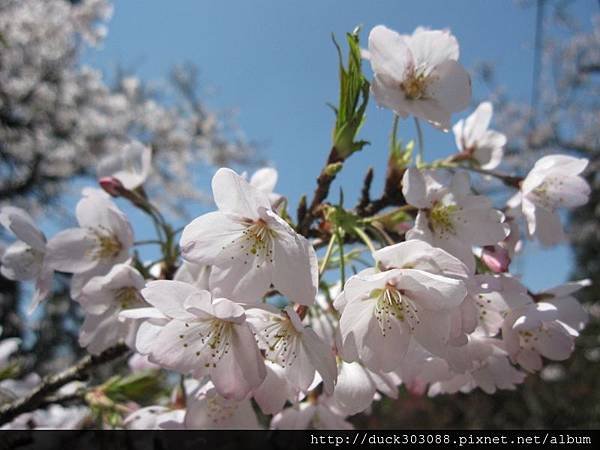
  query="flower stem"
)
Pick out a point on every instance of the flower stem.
point(365, 238)
point(340, 243)
point(327, 256)
point(394, 131)
point(421, 155)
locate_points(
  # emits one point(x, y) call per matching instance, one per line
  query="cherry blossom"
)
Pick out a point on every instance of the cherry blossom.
point(320, 415)
point(250, 247)
point(491, 371)
point(192, 332)
point(103, 238)
point(382, 312)
point(534, 331)
point(554, 182)
point(297, 348)
point(357, 387)
point(26, 259)
point(206, 409)
point(265, 180)
point(450, 216)
point(476, 141)
point(102, 299)
point(130, 166)
point(418, 74)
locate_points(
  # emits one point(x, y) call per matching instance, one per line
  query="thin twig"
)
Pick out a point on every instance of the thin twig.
point(52, 383)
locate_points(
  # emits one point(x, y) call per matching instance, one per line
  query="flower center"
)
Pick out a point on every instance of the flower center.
point(528, 338)
point(414, 86)
point(392, 305)
point(215, 339)
point(440, 218)
point(256, 244)
point(219, 410)
point(108, 245)
point(278, 340)
point(541, 194)
point(128, 297)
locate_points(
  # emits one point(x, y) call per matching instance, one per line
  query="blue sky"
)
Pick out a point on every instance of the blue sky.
point(274, 63)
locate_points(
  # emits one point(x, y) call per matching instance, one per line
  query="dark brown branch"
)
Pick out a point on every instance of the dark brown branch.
point(51, 383)
point(324, 181)
point(365, 193)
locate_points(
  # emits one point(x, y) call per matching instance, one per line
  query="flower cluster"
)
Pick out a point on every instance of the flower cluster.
point(246, 313)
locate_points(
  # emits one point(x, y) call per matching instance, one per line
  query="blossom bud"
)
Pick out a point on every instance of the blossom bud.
point(496, 258)
point(112, 186)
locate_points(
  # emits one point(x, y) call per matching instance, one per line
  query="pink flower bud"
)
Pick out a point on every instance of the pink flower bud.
point(496, 258)
point(112, 186)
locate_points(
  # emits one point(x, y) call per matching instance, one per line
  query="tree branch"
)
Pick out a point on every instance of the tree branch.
point(324, 181)
point(51, 383)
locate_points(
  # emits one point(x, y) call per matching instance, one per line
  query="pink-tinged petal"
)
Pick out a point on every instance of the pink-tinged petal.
point(195, 274)
point(178, 346)
point(451, 87)
point(329, 419)
point(72, 250)
point(355, 390)
point(433, 331)
point(569, 288)
point(200, 305)
point(145, 418)
point(460, 185)
point(43, 288)
point(169, 296)
point(264, 179)
point(241, 369)
point(432, 47)
point(571, 312)
point(215, 413)
point(415, 189)
point(430, 291)
point(388, 53)
point(529, 360)
point(272, 394)
point(321, 358)
point(147, 334)
point(534, 316)
point(295, 268)
point(555, 342)
point(564, 164)
point(227, 310)
point(21, 262)
point(548, 227)
point(245, 283)
point(567, 192)
point(294, 419)
point(234, 195)
point(99, 332)
point(142, 313)
point(206, 238)
point(173, 420)
point(389, 96)
point(20, 223)
point(459, 135)
point(477, 124)
point(418, 254)
point(381, 352)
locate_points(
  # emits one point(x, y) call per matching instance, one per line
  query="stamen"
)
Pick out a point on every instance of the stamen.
point(128, 297)
point(414, 86)
point(392, 305)
point(279, 340)
point(441, 220)
point(108, 245)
